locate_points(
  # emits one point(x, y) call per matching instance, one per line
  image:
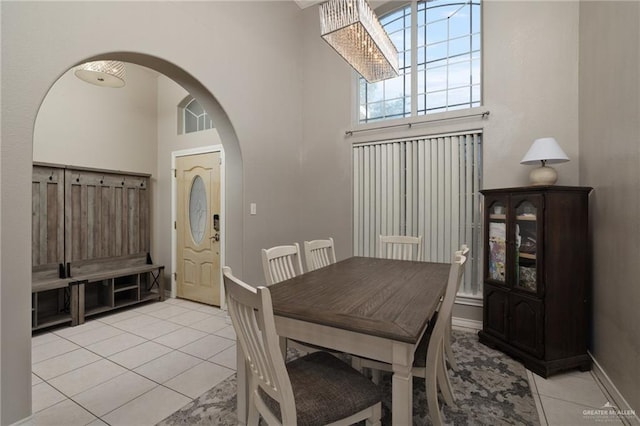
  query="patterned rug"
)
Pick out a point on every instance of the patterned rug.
point(490, 389)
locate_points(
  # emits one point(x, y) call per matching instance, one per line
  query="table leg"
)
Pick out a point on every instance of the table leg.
point(402, 385)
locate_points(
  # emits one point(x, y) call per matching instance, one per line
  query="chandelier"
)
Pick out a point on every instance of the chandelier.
point(353, 30)
point(102, 73)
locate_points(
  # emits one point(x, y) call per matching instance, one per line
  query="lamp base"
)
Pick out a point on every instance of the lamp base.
point(543, 175)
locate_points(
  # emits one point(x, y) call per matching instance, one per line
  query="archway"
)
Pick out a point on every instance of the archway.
point(233, 156)
point(16, 299)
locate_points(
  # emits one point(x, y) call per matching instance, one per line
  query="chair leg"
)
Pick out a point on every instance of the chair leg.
point(443, 380)
point(433, 360)
point(447, 347)
point(254, 416)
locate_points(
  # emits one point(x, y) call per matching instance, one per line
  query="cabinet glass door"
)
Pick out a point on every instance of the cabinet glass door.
point(526, 239)
point(497, 240)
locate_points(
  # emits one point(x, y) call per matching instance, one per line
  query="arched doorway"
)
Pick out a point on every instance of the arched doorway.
point(132, 128)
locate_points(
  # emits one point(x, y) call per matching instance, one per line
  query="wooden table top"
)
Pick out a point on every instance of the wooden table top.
point(387, 298)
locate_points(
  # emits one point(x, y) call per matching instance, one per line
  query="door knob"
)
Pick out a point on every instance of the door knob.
point(216, 237)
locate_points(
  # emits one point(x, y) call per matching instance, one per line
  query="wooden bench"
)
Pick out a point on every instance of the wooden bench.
point(100, 285)
point(51, 296)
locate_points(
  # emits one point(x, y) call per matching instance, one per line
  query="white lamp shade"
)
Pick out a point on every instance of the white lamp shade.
point(545, 149)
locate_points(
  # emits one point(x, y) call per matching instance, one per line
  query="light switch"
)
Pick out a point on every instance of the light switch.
point(252, 207)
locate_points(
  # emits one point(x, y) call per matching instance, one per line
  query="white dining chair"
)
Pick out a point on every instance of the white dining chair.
point(319, 253)
point(316, 389)
point(464, 251)
point(428, 361)
point(281, 263)
point(400, 247)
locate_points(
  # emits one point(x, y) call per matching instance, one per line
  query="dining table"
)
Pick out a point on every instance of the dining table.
point(364, 306)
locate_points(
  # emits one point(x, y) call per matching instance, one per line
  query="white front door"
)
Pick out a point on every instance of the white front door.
point(198, 219)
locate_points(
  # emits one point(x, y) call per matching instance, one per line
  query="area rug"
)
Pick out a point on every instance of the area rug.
point(490, 389)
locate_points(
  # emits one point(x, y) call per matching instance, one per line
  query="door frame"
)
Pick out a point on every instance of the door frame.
point(174, 206)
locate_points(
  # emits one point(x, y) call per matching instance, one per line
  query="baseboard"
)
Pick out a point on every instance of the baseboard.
point(25, 421)
point(466, 323)
point(627, 415)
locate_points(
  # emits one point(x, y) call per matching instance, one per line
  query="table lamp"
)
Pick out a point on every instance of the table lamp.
point(547, 151)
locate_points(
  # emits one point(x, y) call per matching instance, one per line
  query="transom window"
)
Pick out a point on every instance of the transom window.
point(439, 71)
point(194, 117)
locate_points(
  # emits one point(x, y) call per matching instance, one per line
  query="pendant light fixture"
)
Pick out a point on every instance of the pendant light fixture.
point(102, 73)
point(353, 30)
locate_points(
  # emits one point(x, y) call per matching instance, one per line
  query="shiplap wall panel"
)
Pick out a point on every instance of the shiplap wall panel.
point(424, 186)
point(107, 215)
point(47, 216)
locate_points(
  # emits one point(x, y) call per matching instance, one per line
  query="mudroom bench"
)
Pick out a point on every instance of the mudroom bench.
point(100, 285)
point(91, 233)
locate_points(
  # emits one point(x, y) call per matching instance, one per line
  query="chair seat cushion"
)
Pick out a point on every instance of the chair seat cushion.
point(325, 390)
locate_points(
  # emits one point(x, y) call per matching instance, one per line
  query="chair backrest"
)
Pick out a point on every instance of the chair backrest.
point(281, 263)
point(400, 247)
point(444, 313)
point(319, 253)
point(251, 314)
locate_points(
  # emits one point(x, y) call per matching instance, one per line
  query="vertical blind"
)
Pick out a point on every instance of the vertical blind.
point(427, 187)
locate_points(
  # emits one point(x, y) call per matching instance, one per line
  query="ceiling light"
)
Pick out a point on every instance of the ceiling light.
point(102, 73)
point(353, 30)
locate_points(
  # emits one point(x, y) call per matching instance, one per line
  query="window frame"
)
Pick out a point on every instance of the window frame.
point(414, 114)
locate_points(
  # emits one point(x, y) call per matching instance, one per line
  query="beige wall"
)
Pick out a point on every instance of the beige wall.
point(610, 162)
point(86, 125)
point(242, 57)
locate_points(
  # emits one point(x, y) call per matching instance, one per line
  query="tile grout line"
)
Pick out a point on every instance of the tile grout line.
point(221, 316)
point(542, 415)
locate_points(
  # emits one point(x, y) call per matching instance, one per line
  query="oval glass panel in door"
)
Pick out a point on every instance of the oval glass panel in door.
point(198, 212)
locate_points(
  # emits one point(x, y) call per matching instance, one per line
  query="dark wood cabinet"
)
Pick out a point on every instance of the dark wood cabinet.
point(537, 276)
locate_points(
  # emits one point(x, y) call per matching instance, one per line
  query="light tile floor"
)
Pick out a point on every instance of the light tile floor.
point(133, 367)
point(138, 366)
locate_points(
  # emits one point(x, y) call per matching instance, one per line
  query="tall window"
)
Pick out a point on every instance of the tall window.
point(194, 117)
point(427, 186)
point(439, 71)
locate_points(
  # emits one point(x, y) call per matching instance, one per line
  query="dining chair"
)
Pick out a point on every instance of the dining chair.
point(400, 247)
point(316, 389)
point(319, 253)
point(428, 361)
point(464, 250)
point(281, 263)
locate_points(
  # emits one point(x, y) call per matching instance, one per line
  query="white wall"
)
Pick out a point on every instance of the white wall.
point(82, 124)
